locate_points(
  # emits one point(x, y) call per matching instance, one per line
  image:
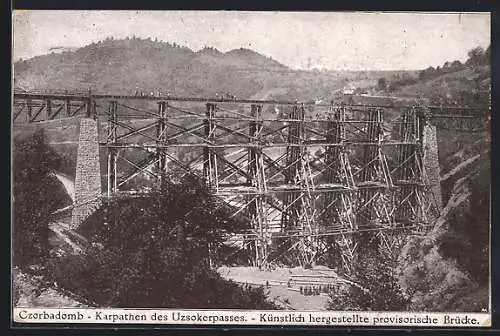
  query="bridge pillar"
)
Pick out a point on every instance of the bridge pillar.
point(431, 162)
point(88, 172)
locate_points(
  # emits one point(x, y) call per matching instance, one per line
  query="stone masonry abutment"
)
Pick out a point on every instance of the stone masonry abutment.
point(88, 172)
point(431, 163)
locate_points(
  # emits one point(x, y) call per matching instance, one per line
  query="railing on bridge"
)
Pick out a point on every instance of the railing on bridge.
point(39, 106)
point(35, 107)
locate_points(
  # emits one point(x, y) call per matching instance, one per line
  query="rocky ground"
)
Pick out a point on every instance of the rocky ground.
point(32, 291)
point(446, 270)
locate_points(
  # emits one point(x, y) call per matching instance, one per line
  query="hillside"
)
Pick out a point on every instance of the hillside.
point(31, 291)
point(448, 269)
point(453, 83)
point(124, 66)
point(468, 86)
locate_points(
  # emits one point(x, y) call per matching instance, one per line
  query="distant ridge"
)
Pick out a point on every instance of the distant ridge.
point(147, 65)
point(133, 65)
point(123, 65)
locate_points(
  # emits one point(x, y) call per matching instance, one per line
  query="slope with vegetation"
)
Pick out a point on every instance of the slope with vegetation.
point(150, 252)
point(452, 261)
point(36, 194)
point(448, 268)
point(145, 65)
point(121, 66)
point(453, 83)
point(157, 251)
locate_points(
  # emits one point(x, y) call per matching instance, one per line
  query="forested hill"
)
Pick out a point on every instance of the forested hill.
point(122, 65)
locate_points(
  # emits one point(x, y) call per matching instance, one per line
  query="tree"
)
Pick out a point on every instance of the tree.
point(377, 289)
point(476, 56)
point(456, 65)
point(382, 84)
point(487, 56)
point(36, 194)
point(157, 252)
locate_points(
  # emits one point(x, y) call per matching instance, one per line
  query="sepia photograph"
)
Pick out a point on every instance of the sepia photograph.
point(284, 163)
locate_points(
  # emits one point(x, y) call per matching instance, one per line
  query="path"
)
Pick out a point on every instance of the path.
point(68, 184)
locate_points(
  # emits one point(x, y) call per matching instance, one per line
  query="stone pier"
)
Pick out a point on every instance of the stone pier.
point(431, 163)
point(88, 172)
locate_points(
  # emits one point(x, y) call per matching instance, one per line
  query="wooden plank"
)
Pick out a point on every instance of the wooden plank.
point(52, 116)
point(37, 113)
point(18, 113)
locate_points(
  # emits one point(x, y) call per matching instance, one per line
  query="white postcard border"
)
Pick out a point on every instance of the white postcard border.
point(249, 317)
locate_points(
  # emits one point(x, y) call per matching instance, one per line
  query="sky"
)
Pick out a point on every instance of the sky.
point(300, 40)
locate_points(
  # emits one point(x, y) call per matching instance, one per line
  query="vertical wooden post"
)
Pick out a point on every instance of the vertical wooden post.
point(48, 109)
point(94, 109)
point(209, 161)
point(256, 179)
point(89, 104)
point(161, 164)
point(68, 107)
point(30, 110)
point(111, 140)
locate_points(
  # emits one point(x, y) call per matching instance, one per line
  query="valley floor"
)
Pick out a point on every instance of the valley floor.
point(283, 284)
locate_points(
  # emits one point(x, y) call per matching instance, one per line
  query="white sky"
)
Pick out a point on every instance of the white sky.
point(355, 41)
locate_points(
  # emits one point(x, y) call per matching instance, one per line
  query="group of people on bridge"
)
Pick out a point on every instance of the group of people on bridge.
point(158, 93)
point(154, 93)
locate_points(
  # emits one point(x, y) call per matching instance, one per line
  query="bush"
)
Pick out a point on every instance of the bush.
point(380, 292)
point(36, 194)
point(467, 240)
point(156, 252)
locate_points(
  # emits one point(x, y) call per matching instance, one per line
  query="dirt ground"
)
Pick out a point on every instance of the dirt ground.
point(27, 292)
point(293, 300)
point(283, 284)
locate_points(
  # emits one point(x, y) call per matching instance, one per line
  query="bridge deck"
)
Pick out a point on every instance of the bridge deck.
point(82, 97)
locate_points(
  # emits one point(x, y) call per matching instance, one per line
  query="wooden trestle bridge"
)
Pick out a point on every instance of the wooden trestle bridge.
point(309, 177)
